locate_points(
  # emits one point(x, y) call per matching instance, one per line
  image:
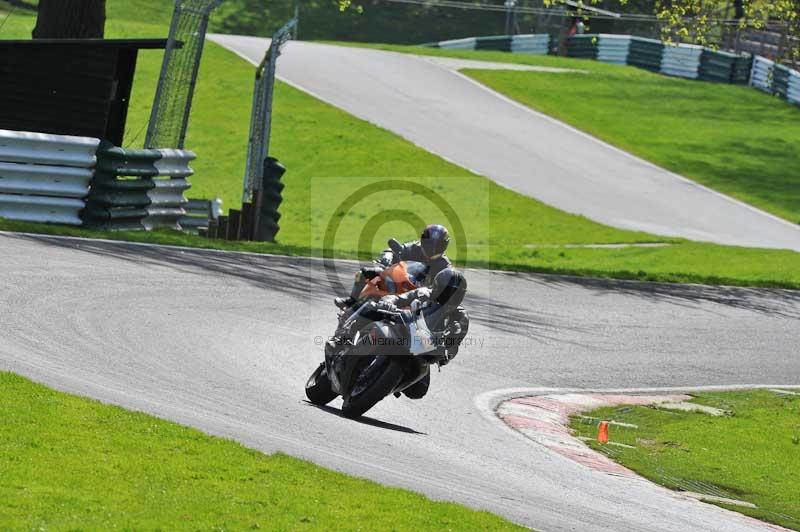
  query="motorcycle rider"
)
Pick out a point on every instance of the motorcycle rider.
point(429, 249)
point(441, 309)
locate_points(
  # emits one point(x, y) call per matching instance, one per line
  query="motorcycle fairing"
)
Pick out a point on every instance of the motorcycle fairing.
point(396, 279)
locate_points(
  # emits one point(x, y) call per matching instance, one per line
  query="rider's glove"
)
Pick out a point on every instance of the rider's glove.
point(370, 272)
point(387, 303)
point(423, 296)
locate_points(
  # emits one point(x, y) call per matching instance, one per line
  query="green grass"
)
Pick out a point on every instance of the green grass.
point(69, 463)
point(330, 153)
point(753, 455)
point(731, 138)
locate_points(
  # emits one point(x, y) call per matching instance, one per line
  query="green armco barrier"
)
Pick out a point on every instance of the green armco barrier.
point(118, 195)
point(121, 193)
point(780, 80)
point(741, 69)
point(646, 53)
point(717, 66)
point(122, 162)
point(500, 43)
point(119, 219)
point(582, 47)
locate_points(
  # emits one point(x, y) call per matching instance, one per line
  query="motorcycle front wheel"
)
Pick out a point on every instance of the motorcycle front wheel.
point(356, 404)
point(318, 387)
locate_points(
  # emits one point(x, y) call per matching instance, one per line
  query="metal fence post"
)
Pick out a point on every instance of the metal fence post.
point(260, 126)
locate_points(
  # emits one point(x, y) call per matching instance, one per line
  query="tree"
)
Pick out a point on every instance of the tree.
point(704, 21)
point(700, 20)
point(70, 19)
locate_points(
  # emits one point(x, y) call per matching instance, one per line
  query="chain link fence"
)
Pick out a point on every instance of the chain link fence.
point(261, 116)
point(173, 101)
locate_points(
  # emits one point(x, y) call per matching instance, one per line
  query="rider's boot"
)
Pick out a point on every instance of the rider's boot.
point(419, 388)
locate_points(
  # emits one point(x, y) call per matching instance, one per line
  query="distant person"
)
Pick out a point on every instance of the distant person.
point(573, 29)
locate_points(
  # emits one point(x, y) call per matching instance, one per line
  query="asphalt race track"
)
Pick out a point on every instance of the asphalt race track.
point(441, 110)
point(224, 342)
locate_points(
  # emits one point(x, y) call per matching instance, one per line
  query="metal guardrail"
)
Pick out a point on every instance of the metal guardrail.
point(539, 43)
point(199, 213)
point(457, 44)
point(43, 148)
point(613, 48)
point(166, 197)
point(689, 61)
point(77, 180)
point(682, 60)
point(43, 177)
point(45, 180)
point(793, 92)
point(761, 75)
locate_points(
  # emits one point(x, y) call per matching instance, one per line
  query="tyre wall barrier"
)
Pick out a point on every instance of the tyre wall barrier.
point(43, 177)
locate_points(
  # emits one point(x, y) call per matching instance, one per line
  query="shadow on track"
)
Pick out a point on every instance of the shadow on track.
point(367, 420)
point(302, 278)
point(768, 301)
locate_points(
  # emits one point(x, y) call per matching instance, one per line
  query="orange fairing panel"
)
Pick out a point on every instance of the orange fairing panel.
point(393, 280)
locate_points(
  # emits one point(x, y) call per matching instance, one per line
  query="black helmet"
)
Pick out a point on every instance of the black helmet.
point(434, 240)
point(449, 287)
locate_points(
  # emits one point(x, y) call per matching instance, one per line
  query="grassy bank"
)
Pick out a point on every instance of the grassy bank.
point(69, 463)
point(751, 455)
point(731, 138)
point(330, 154)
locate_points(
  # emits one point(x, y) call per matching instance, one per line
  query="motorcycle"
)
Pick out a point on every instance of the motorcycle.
point(375, 352)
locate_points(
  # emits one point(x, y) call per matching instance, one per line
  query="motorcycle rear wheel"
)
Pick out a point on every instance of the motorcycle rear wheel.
point(355, 406)
point(318, 387)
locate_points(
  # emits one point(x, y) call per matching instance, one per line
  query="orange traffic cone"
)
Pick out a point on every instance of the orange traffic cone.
point(602, 432)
